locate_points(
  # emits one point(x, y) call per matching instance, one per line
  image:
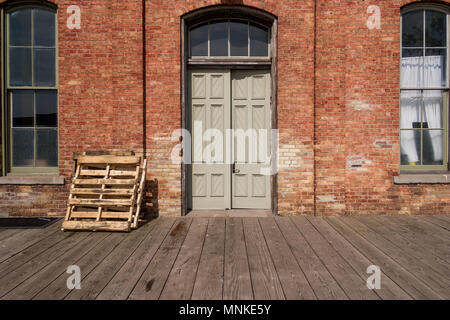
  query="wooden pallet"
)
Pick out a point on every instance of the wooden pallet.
point(106, 193)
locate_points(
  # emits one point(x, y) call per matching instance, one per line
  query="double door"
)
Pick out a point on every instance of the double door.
point(229, 116)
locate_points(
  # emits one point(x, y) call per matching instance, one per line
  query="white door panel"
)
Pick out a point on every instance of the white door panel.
point(211, 175)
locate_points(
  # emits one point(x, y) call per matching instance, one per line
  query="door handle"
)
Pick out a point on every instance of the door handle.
point(234, 169)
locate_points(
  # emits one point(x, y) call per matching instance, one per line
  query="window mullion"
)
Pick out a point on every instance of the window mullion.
point(32, 48)
point(421, 126)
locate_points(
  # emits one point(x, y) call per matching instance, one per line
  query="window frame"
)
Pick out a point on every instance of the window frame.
point(446, 91)
point(7, 154)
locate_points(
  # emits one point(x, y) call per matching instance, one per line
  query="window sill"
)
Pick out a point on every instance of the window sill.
point(32, 180)
point(422, 178)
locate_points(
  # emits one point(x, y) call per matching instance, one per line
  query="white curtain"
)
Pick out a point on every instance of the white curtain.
point(418, 72)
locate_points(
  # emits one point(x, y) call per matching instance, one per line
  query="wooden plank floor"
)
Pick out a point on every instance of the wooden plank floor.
point(243, 258)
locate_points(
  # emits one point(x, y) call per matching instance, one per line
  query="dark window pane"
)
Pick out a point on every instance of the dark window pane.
point(238, 39)
point(20, 27)
point(433, 102)
point(435, 68)
point(412, 68)
point(20, 67)
point(23, 147)
point(259, 41)
point(412, 28)
point(22, 108)
point(46, 109)
point(433, 147)
point(199, 41)
point(44, 67)
point(46, 148)
point(435, 29)
point(218, 33)
point(410, 109)
point(410, 147)
point(44, 28)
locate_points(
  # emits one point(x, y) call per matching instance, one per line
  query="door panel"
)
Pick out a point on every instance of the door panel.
point(251, 124)
point(210, 109)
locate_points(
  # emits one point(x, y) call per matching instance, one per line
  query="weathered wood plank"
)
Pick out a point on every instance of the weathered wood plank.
point(105, 214)
point(420, 226)
point(350, 281)
point(407, 281)
point(57, 289)
point(152, 281)
point(294, 283)
point(112, 173)
point(439, 221)
point(8, 233)
point(180, 282)
point(265, 282)
point(94, 283)
point(17, 276)
point(237, 282)
point(417, 267)
point(413, 248)
point(108, 182)
point(90, 191)
point(97, 225)
point(121, 285)
point(388, 291)
point(428, 244)
point(321, 281)
point(100, 202)
point(39, 280)
point(108, 159)
point(209, 282)
point(31, 252)
point(23, 240)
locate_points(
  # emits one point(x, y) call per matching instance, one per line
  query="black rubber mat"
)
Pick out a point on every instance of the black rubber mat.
point(18, 223)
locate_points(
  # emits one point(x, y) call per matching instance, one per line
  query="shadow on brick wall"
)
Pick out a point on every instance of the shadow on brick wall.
point(150, 201)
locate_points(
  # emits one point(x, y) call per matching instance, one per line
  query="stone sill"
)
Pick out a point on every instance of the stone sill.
point(422, 178)
point(32, 180)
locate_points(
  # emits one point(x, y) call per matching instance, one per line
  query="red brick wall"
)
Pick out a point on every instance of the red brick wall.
point(100, 94)
point(357, 115)
point(355, 112)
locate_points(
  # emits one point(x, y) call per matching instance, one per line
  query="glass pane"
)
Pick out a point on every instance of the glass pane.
point(259, 41)
point(433, 147)
point(20, 27)
point(47, 148)
point(22, 108)
point(432, 112)
point(239, 39)
point(435, 68)
point(199, 41)
point(44, 28)
point(46, 109)
point(23, 147)
point(218, 35)
point(412, 28)
point(20, 67)
point(44, 67)
point(412, 68)
point(410, 147)
point(435, 29)
point(410, 109)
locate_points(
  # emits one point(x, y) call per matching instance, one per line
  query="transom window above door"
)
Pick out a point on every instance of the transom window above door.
point(229, 38)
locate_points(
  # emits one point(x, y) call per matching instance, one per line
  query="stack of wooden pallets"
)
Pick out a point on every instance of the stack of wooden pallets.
point(106, 193)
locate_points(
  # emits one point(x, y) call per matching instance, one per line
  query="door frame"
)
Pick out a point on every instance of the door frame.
point(270, 63)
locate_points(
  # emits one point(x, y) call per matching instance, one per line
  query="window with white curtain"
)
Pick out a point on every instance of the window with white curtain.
point(31, 89)
point(424, 89)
